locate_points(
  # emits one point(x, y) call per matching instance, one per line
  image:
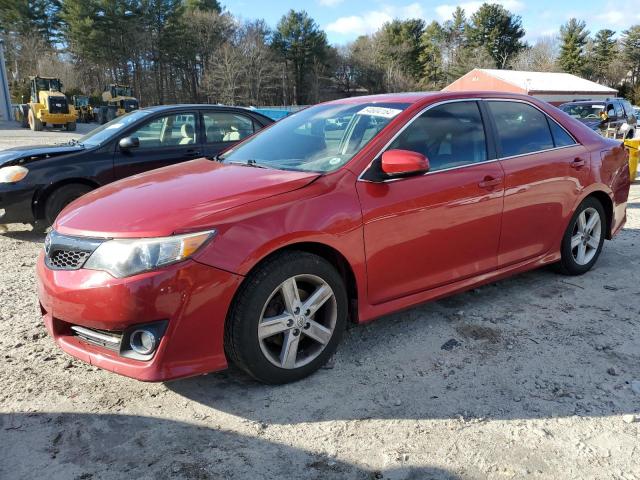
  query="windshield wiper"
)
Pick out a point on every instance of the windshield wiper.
point(249, 163)
point(71, 142)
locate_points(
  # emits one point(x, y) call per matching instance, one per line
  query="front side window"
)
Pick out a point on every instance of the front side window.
point(317, 139)
point(109, 130)
point(521, 128)
point(226, 127)
point(619, 110)
point(449, 135)
point(168, 130)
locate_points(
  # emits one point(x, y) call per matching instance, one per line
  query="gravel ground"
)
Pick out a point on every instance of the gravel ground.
point(533, 377)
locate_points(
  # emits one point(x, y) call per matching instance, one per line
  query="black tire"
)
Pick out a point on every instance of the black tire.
point(62, 197)
point(24, 122)
point(242, 344)
point(568, 264)
point(71, 127)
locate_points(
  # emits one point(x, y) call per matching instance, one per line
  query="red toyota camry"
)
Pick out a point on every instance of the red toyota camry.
point(345, 211)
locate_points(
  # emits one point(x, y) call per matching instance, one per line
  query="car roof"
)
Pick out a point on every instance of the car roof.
point(202, 106)
point(589, 102)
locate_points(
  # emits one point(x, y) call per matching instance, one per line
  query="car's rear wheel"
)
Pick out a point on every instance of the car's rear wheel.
point(287, 319)
point(62, 197)
point(583, 239)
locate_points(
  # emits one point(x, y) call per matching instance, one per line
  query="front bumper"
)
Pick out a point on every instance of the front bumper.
point(192, 297)
point(16, 202)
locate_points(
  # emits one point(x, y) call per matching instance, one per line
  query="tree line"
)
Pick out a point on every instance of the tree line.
point(174, 51)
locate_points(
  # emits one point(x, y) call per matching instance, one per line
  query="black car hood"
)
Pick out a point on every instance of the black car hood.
point(32, 153)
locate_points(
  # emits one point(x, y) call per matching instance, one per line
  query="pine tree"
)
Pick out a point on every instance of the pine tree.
point(498, 32)
point(574, 37)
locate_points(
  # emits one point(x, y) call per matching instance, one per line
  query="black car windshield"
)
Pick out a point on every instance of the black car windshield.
point(114, 127)
point(318, 139)
point(584, 111)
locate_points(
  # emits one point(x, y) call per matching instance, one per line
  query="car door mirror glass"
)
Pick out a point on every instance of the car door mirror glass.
point(397, 163)
point(128, 143)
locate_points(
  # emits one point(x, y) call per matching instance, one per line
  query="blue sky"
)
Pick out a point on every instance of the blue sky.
point(344, 20)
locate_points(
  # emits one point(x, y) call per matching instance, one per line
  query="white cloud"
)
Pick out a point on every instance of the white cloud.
point(329, 3)
point(373, 20)
point(445, 11)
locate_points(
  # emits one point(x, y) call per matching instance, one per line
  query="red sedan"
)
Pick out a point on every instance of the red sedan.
point(347, 210)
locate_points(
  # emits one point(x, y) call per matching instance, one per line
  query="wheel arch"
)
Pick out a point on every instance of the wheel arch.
point(41, 196)
point(607, 204)
point(330, 254)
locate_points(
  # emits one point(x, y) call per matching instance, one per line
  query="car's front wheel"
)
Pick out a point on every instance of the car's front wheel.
point(583, 239)
point(287, 318)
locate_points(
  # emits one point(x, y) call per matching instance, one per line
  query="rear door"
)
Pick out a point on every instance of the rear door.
point(164, 140)
point(223, 129)
point(545, 171)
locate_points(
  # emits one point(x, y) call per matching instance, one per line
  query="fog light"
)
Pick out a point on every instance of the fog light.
point(143, 341)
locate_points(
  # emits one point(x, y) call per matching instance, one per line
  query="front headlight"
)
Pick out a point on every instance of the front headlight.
point(12, 174)
point(126, 257)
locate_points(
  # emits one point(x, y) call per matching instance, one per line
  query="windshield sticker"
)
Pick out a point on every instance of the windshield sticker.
point(379, 112)
point(597, 106)
point(115, 125)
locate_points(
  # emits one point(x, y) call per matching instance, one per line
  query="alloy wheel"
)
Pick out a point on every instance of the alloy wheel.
point(297, 321)
point(585, 239)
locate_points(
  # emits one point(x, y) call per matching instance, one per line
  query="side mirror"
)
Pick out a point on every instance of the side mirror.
point(404, 162)
point(128, 143)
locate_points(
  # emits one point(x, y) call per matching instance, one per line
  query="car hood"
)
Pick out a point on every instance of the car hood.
point(35, 152)
point(180, 198)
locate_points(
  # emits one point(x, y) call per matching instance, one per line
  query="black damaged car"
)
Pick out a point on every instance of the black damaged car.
point(37, 182)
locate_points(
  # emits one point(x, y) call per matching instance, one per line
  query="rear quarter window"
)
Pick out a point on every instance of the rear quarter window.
point(521, 128)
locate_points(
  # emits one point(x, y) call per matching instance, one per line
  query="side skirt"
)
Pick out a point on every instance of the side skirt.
point(370, 312)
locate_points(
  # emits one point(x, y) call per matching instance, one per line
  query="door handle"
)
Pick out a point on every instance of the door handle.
point(578, 162)
point(192, 153)
point(490, 182)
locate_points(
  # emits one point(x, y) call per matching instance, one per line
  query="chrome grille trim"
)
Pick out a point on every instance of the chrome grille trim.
point(110, 340)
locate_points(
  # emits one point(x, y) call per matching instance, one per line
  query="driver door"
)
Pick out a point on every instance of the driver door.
point(163, 141)
point(425, 231)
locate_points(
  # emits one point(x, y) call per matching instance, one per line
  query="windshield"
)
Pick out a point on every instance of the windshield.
point(317, 139)
point(584, 110)
point(114, 127)
point(82, 101)
point(43, 84)
point(119, 91)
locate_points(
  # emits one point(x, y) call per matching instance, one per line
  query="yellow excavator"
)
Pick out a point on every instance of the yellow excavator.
point(119, 100)
point(49, 106)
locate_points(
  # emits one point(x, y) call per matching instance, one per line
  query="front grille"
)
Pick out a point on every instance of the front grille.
point(68, 253)
point(58, 105)
point(68, 259)
point(102, 338)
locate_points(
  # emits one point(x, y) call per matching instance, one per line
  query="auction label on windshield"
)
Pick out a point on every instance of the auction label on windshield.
point(379, 112)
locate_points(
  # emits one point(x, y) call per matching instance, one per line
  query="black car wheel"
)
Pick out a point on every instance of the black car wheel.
point(287, 319)
point(62, 197)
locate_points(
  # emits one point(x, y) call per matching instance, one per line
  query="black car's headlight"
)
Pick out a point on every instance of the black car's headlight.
point(126, 257)
point(12, 174)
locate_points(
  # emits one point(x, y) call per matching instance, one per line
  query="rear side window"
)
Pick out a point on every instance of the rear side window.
point(449, 135)
point(226, 127)
point(521, 128)
point(560, 137)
